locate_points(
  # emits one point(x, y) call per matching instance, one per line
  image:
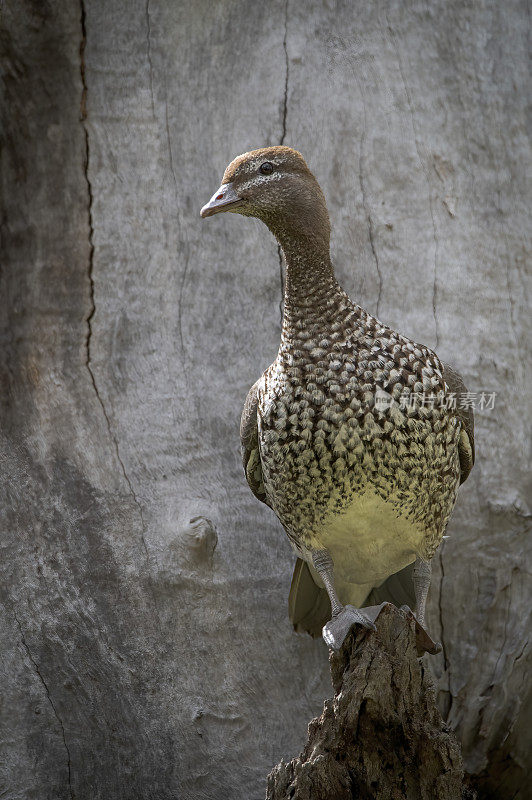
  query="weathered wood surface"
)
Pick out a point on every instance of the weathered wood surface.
point(382, 735)
point(146, 650)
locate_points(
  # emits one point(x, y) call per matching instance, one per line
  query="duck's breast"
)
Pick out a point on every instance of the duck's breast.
point(369, 540)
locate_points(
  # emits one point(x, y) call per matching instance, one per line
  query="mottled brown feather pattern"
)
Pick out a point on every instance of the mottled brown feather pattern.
point(319, 429)
point(250, 445)
point(313, 439)
point(466, 449)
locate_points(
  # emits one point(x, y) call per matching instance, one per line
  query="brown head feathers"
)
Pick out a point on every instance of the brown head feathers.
point(275, 185)
point(278, 156)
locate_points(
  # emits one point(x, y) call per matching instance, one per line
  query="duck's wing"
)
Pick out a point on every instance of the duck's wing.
point(466, 444)
point(397, 589)
point(309, 607)
point(249, 444)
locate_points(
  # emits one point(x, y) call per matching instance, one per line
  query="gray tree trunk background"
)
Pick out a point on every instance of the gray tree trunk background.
point(146, 647)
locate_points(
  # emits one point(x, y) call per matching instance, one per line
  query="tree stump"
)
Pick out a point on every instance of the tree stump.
point(382, 735)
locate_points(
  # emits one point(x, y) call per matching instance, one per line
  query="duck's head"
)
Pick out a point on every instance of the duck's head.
point(275, 185)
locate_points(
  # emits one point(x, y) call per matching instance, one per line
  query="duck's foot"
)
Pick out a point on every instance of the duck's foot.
point(424, 641)
point(335, 631)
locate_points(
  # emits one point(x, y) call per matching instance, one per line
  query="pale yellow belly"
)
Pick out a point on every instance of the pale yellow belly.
point(368, 543)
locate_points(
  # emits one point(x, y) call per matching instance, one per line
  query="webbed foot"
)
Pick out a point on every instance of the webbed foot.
point(335, 631)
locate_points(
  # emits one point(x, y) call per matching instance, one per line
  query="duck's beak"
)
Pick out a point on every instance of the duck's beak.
point(225, 199)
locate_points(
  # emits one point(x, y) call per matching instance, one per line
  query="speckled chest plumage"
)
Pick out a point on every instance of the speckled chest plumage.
point(323, 440)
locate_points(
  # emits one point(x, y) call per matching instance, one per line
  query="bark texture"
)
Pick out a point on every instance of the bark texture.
point(146, 648)
point(382, 735)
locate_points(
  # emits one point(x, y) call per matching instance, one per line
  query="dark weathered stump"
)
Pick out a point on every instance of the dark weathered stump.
point(382, 735)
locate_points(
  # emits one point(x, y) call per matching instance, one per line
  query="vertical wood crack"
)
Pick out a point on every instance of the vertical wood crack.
point(423, 168)
point(92, 303)
point(186, 245)
point(446, 663)
point(148, 53)
point(281, 142)
point(286, 75)
point(371, 227)
point(49, 698)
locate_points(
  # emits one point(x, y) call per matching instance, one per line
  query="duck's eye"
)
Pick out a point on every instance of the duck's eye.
point(266, 168)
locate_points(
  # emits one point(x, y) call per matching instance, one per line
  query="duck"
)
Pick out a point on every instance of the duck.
point(352, 436)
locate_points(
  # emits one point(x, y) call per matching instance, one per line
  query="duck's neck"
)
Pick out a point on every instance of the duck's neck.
point(310, 282)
